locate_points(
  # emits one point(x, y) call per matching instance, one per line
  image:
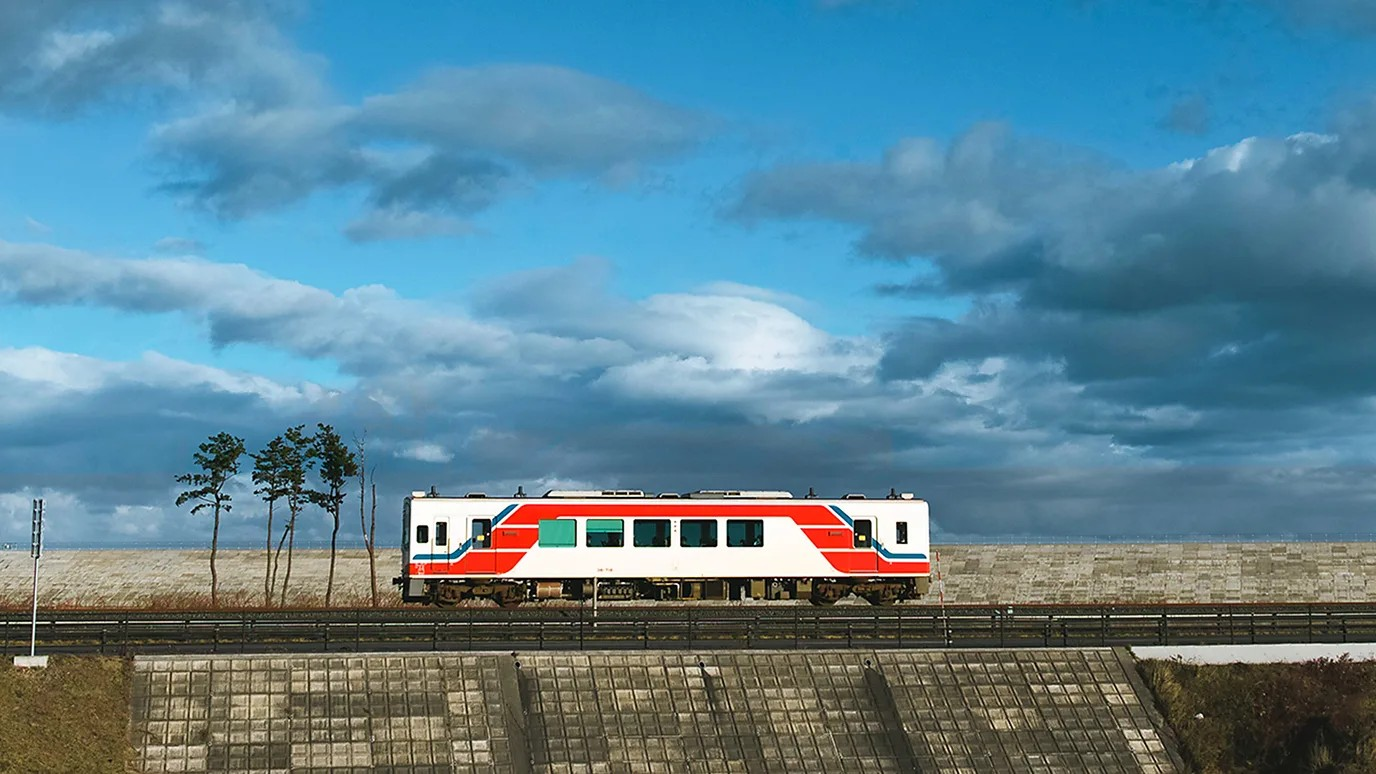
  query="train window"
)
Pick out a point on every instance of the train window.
point(902, 532)
point(441, 533)
point(422, 533)
point(747, 533)
point(650, 533)
point(558, 533)
point(697, 533)
point(605, 533)
point(481, 533)
point(864, 532)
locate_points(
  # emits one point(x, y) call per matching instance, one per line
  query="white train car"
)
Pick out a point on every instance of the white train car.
point(629, 545)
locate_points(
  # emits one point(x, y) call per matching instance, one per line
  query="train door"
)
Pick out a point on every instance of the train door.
point(867, 560)
point(482, 559)
point(440, 546)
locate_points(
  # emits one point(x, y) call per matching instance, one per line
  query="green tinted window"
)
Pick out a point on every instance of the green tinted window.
point(605, 533)
point(558, 533)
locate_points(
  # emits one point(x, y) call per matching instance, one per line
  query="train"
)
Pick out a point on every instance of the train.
point(618, 544)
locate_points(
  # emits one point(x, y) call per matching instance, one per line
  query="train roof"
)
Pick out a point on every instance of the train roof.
point(639, 494)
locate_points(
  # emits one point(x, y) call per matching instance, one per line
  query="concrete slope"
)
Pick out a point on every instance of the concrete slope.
point(928, 711)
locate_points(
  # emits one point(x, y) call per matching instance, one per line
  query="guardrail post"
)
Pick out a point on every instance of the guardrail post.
point(849, 632)
point(900, 627)
point(645, 633)
point(435, 634)
point(1309, 622)
point(690, 628)
point(796, 619)
point(102, 640)
point(358, 631)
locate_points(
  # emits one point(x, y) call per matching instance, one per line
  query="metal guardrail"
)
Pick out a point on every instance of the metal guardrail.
point(688, 628)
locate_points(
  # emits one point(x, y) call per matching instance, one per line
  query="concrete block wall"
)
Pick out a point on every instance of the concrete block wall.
point(973, 574)
point(956, 711)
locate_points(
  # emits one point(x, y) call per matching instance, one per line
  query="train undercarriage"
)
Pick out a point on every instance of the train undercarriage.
point(819, 591)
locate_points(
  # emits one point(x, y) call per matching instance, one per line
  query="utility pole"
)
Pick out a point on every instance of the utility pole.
point(35, 550)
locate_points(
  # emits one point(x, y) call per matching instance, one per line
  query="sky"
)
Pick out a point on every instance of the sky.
point(1067, 269)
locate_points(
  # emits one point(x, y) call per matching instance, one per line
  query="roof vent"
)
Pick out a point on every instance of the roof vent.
point(419, 493)
point(593, 493)
point(905, 496)
point(743, 494)
point(476, 495)
point(853, 496)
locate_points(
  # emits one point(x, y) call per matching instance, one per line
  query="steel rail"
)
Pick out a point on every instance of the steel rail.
point(686, 627)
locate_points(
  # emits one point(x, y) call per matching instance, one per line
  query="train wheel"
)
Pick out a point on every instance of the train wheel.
point(447, 595)
point(509, 596)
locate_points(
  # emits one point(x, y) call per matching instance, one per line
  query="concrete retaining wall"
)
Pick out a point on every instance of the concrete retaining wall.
point(958, 711)
point(973, 574)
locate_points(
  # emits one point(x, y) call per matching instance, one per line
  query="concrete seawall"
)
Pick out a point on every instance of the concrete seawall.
point(892, 711)
point(973, 574)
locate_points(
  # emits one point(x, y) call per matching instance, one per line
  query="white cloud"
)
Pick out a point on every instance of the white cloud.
point(424, 452)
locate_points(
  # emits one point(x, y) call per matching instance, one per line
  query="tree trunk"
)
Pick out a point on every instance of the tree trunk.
point(277, 558)
point(291, 543)
point(214, 547)
point(372, 536)
point(334, 540)
point(267, 571)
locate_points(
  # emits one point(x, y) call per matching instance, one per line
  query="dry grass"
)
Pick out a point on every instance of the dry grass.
point(1318, 716)
point(70, 718)
point(176, 601)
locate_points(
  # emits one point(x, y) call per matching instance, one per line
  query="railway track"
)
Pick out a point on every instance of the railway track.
point(699, 627)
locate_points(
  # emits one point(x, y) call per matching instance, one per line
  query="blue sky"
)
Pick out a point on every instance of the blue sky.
point(1038, 261)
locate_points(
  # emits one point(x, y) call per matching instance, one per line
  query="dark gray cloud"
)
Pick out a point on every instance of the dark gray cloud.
point(1240, 285)
point(470, 136)
point(554, 381)
point(263, 131)
point(552, 120)
point(59, 57)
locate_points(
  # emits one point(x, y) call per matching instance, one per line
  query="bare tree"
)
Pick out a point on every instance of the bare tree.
point(365, 475)
point(337, 466)
point(218, 460)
